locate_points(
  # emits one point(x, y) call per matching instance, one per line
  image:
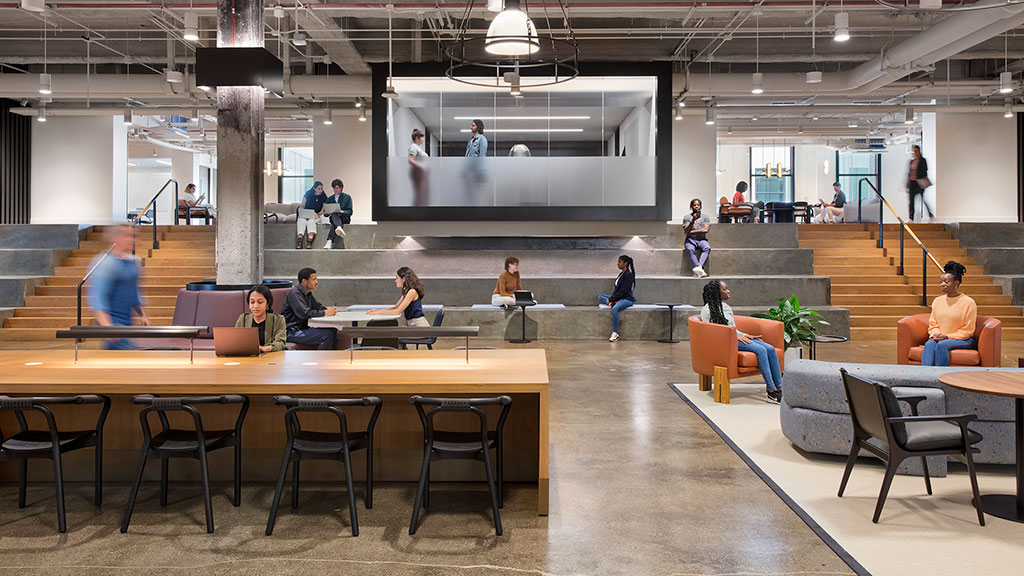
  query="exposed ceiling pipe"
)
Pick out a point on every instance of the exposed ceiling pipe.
point(150, 86)
point(950, 36)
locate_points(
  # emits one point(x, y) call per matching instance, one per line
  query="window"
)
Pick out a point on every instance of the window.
point(852, 166)
point(772, 188)
point(298, 173)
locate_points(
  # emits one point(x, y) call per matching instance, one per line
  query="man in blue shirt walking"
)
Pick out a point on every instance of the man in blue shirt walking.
point(114, 286)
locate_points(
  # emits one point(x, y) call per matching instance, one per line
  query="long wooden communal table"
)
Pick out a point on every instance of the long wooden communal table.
point(392, 375)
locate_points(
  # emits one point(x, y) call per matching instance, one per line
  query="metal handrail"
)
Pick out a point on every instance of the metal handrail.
point(925, 254)
point(87, 274)
point(152, 203)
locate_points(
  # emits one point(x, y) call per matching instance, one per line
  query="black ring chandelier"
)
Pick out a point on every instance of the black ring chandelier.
point(513, 44)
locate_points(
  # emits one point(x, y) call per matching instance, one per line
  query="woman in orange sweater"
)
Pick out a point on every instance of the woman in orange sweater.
point(508, 283)
point(954, 315)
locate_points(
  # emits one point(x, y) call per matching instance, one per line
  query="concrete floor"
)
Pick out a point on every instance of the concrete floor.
point(640, 485)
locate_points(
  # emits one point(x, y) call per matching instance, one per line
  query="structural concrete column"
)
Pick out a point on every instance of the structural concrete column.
point(239, 153)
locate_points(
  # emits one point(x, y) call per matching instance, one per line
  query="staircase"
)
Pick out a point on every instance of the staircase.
point(185, 254)
point(865, 280)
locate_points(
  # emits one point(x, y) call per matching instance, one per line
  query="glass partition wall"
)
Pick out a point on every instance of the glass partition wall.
point(555, 152)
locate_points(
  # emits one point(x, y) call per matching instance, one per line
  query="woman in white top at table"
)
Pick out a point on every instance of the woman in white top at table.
point(418, 170)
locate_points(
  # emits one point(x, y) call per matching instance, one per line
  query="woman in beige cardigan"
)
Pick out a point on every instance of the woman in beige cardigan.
point(271, 326)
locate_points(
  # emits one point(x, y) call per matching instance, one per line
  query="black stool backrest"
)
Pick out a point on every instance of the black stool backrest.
point(438, 318)
point(161, 405)
point(870, 404)
point(332, 405)
point(20, 405)
point(472, 405)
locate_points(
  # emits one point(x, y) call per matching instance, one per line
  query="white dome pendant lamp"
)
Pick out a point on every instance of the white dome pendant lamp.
point(512, 33)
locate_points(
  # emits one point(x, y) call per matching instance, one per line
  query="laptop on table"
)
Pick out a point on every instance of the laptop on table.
point(236, 341)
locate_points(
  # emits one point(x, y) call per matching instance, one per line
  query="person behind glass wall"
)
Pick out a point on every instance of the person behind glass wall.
point(953, 319)
point(338, 219)
point(189, 201)
point(696, 226)
point(410, 304)
point(418, 170)
point(300, 305)
point(314, 200)
point(716, 311)
point(622, 297)
point(739, 200)
point(113, 294)
point(272, 327)
point(476, 151)
point(508, 283)
point(918, 182)
point(833, 210)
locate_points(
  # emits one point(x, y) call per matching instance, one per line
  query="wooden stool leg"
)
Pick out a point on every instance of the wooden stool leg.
point(704, 384)
point(721, 384)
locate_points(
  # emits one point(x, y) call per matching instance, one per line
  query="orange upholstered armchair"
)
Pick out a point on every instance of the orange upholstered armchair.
point(912, 333)
point(716, 356)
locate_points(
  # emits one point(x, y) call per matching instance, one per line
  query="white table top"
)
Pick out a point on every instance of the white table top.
point(344, 317)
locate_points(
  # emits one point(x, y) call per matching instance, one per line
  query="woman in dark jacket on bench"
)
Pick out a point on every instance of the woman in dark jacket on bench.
point(622, 297)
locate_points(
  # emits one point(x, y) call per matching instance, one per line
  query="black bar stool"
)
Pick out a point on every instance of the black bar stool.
point(306, 445)
point(176, 443)
point(447, 445)
point(52, 443)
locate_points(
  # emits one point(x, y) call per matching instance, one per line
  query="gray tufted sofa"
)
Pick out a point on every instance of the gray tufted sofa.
point(815, 416)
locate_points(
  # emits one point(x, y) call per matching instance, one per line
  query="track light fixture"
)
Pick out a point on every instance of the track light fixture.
point(299, 39)
point(329, 118)
point(842, 27)
point(908, 115)
point(1005, 82)
point(679, 111)
point(191, 27)
point(128, 116)
point(41, 116)
point(1007, 110)
point(757, 83)
point(359, 102)
point(814, 77)
point(45, 86)
point(362, 114)
point(709, 115)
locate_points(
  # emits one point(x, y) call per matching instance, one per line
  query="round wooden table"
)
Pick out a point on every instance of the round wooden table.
point(1010, 385)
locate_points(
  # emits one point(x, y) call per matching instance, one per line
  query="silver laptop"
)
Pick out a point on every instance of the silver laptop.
point(236, 341)
point(331, 208)
point(306, 213)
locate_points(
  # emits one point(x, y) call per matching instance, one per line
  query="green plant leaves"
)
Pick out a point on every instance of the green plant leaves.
point(797, 322)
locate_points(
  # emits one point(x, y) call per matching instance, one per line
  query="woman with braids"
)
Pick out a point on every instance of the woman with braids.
point(954, 315)
point(411, 302)
point(622, 297)
point(717, 311)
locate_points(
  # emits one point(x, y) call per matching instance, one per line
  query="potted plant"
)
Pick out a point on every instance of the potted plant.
point(798, 324)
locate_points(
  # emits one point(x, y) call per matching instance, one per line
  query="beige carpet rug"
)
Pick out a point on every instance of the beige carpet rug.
point(916, 534)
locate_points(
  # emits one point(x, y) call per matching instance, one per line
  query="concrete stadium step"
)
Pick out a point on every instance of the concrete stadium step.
point(668, 262)
point(72, 311)
point(160, 261)
point(826, 261)
point(866, 299)
point(839, 243)
point(867, 279)
point(880, 270)
point(571, 290)
point(143, 280)
point(869, 289)
point(61, 323)
point(147, 291)
point(100, 245)
point(56, 302)
point(177, 253)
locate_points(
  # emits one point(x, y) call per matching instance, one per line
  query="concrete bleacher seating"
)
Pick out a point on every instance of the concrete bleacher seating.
point(762, 265)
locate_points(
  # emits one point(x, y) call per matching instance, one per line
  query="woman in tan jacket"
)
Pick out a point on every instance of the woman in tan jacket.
point(272, 326)
point(508, 283)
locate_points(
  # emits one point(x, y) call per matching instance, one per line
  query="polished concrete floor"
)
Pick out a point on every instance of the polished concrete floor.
point(640, 485)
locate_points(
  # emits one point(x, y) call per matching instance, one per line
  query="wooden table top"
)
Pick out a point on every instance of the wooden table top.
point(346, 316)
point(1008, 384)
point(287, 372)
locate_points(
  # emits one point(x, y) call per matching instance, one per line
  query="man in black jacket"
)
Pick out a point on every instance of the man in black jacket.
point(299, 306)
point(335, 239)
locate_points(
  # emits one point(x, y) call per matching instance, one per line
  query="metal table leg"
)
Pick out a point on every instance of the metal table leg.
point(522, 340)
point(671, 327)
point(1011, 506)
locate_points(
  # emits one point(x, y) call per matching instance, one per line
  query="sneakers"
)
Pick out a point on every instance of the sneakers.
point(339, 231)
point(614, 337)
point(328, 244)
point(300, 242)
point(699, 272)
point(775, 396)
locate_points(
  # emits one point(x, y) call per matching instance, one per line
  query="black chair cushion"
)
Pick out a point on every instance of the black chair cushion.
point(937, 436)
point(893, 410)
point(188, 441)
point(37, 440)
point(325, 442)
point(462, 442)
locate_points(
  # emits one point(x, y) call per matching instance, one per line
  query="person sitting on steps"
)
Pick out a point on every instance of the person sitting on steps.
point(314, 200)
point(622, 297)
point(696, 226)
point(338, 219)
point(508, 283)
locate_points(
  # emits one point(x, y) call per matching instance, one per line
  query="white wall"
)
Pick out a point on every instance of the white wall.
point(143, 183)
point(78, 169)
point(693, 165)
point(895, 163)
point(733, 166)
point(342, 150)
point(810, 180)
point(974, 167)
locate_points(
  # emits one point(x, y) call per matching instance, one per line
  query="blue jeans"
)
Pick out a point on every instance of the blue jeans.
point(936, 352)
point(767, 362)
point(619, 307)
point(692, 245)
point(322, 338)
